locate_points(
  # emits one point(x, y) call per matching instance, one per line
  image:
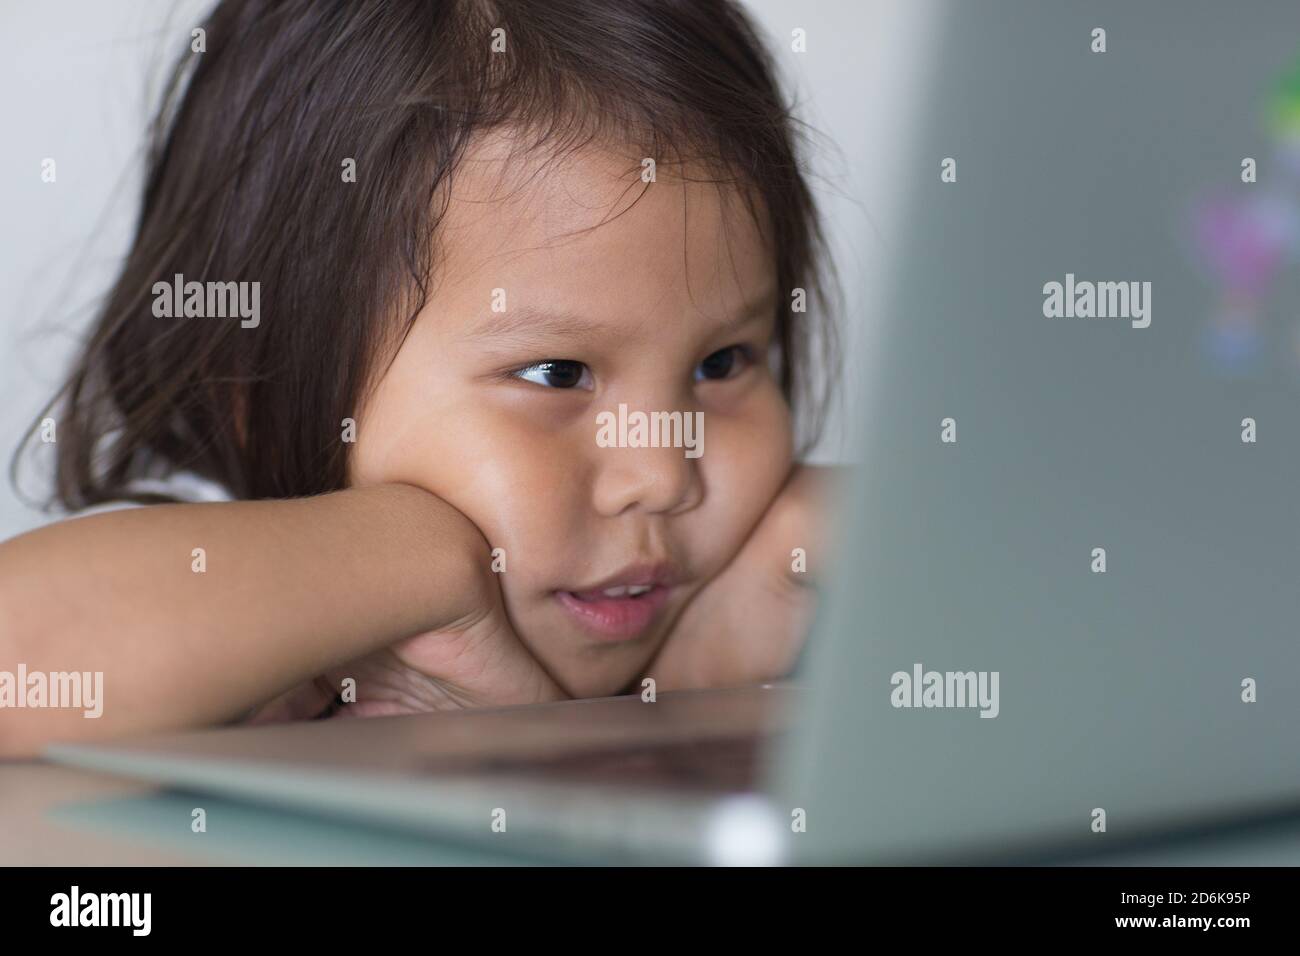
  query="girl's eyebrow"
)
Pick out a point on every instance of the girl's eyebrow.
point(531, 323)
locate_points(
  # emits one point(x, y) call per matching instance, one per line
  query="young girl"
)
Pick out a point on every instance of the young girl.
point(468, 232)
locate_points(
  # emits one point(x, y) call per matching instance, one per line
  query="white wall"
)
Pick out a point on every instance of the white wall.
point(77, 84)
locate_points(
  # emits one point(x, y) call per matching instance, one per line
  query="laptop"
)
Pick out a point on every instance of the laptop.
point(1065, 609)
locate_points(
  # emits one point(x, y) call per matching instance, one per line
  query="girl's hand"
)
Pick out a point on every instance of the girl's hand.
point(478, 663)
point(748, 624)
point(475, 662)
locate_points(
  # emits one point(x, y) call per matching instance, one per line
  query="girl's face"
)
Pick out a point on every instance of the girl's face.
point(556, 298)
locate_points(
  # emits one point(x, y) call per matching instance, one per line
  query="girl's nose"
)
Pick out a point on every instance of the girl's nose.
point(653, 480)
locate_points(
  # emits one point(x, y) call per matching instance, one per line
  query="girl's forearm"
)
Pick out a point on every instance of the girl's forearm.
point(194, 614)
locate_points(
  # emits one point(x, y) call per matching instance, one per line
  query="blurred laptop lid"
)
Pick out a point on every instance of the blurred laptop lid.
point(1067, 603)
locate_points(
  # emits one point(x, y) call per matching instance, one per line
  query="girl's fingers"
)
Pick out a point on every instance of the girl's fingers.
point(300, 703)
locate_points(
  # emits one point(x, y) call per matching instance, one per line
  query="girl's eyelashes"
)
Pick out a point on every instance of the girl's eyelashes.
point(556, 373)
point(569, 374)
point(724, 363)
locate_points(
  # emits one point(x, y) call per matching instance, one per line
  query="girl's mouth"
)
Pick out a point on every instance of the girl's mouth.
point(618, 613)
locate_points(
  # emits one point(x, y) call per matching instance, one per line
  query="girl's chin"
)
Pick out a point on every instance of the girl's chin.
point(586, 669)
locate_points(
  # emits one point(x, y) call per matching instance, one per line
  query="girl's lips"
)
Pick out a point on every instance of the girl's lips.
point(614, 618)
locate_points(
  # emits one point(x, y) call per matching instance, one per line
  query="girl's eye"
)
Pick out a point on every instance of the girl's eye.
point(556, 373)
point(722, 364)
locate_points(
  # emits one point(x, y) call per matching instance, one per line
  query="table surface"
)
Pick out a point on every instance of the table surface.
point(60, 816)
point(31, 836)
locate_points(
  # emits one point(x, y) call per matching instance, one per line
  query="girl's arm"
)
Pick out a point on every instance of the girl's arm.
point(291, 588)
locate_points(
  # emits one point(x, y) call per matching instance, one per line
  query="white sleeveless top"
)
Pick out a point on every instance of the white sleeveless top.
point(184, 486)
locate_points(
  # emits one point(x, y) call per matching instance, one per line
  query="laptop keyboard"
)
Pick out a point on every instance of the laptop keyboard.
point(725, 764)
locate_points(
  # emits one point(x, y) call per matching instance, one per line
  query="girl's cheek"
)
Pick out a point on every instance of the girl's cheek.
point(746, 459)
point(521, 486)
point(526, 485)
point(758, 440)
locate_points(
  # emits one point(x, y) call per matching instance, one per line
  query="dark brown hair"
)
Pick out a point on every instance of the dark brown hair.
point(244, 184)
